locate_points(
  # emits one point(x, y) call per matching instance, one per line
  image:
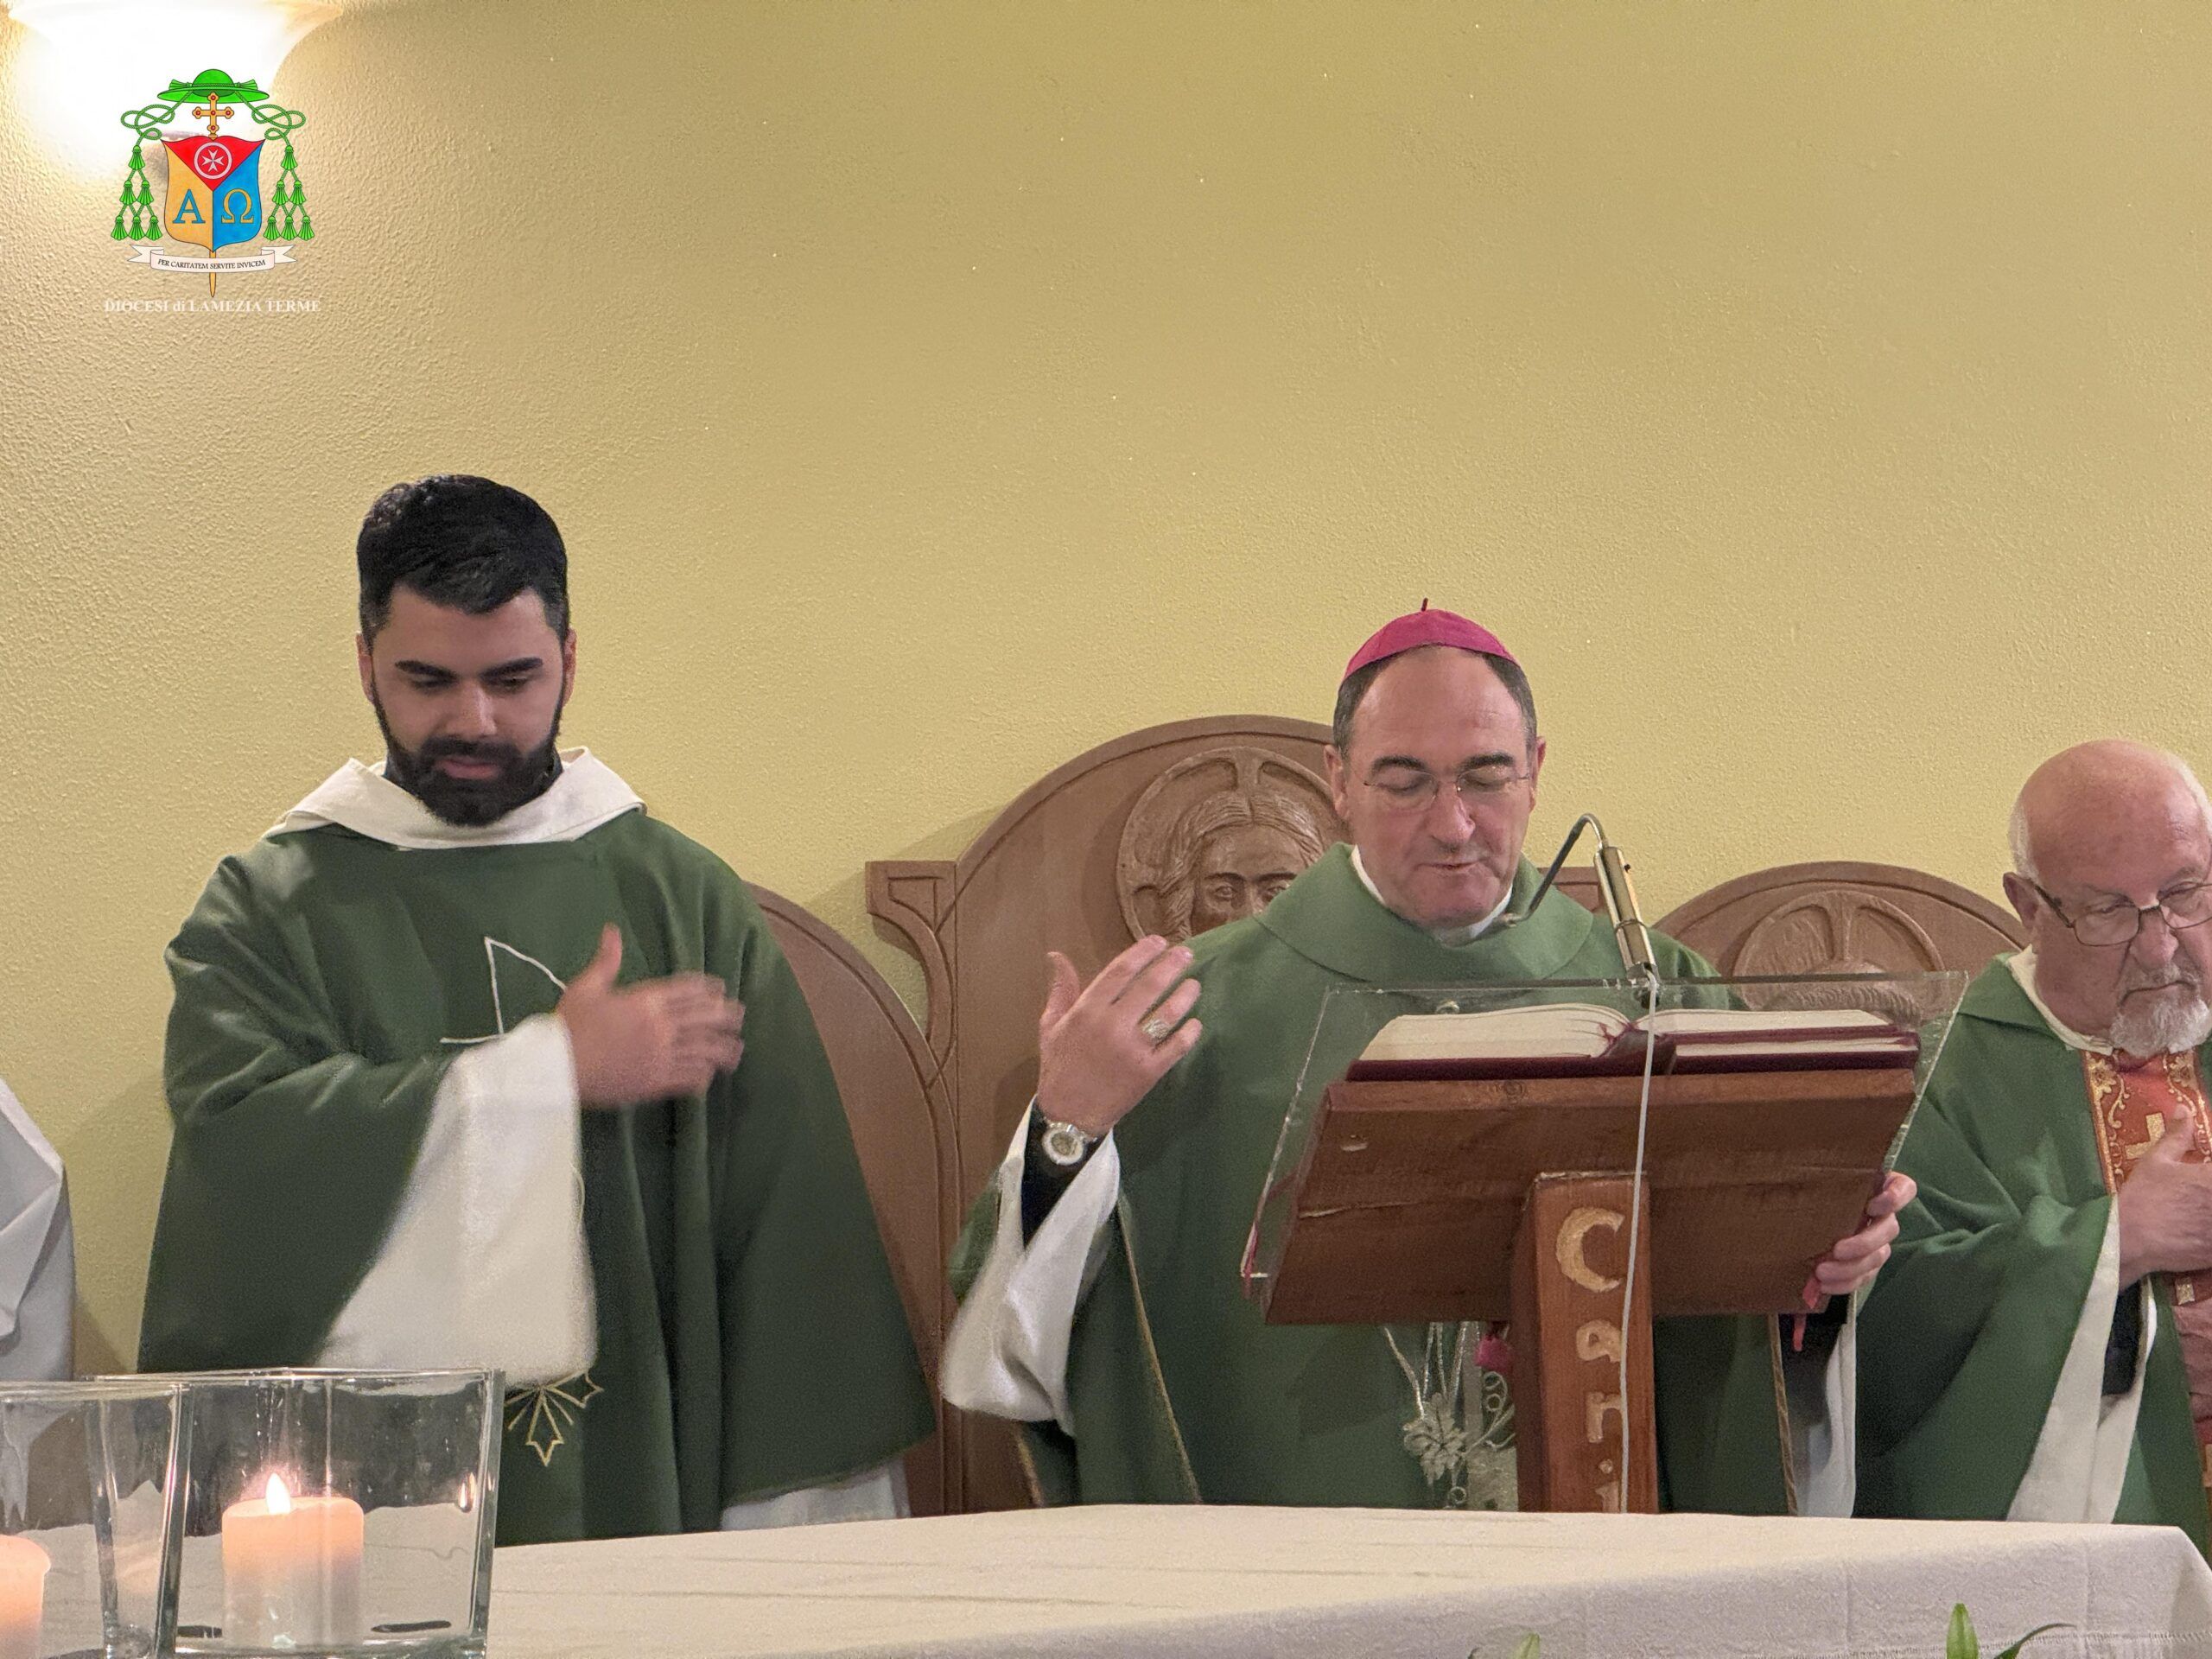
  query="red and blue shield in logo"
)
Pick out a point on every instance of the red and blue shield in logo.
point(214, 191)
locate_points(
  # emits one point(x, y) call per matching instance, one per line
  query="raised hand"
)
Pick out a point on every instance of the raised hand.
point(2166, 1207)
point(1100, 1048)
point(1853, 1262)
point(648, 1041)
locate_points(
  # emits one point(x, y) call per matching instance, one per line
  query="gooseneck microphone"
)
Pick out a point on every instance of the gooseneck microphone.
point(1629, 931)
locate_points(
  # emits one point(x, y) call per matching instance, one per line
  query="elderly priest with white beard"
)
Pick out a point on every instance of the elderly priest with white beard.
point(2041, 1348)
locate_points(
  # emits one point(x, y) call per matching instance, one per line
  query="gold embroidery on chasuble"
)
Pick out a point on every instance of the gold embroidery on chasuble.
point(523, 987)
point(544, 1414)
point(2129, 1106)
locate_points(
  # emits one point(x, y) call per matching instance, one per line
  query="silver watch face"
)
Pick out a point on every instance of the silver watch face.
point(1065, 1144)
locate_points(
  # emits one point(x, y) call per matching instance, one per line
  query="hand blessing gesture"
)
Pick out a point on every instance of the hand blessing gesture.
point(1100, 1048)
point(648, 1041)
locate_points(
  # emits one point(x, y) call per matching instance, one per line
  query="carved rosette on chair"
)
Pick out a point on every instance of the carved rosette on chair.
point(1842, 917)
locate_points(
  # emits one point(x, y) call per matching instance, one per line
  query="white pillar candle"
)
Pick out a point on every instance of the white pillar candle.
point(292, 1571)
point(22, 1597)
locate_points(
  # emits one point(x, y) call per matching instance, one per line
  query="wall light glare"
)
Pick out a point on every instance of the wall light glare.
point(88, 60)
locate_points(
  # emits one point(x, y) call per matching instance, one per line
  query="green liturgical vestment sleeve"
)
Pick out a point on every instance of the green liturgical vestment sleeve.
point(749, 1339)
point(1180, 1389)
point(1964, 1335)
point(270, 1102)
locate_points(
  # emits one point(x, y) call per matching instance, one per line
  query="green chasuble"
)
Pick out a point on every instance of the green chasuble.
point(1180, 1390)
point(749, 1339)
point(1964, 1335)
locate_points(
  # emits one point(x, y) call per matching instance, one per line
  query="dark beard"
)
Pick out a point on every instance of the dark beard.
point(470, 803)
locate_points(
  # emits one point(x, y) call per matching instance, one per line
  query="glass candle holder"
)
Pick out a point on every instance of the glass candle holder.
point(338, 1513)
point(90, 1501)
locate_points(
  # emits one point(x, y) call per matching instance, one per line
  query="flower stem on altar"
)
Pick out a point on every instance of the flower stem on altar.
point(1959, 1644)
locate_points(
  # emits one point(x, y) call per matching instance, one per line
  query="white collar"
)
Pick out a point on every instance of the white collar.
point(361, 799)
point(1447, 936)
point(2023, 964)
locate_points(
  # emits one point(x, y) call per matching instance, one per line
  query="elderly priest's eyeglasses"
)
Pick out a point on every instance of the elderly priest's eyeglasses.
point(1409, 788)
point(2184, 907)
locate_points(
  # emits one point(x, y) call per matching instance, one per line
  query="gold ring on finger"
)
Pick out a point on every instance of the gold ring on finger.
point(1157, 1029)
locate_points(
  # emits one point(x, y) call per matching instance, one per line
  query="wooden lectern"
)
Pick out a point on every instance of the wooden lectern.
point(1449, 1200)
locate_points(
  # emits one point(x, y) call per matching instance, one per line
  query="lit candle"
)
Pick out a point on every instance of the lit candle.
point(292, 1570)
point(22, 1597)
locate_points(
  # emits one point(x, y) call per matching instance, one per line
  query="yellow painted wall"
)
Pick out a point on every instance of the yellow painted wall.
point(1815, 394)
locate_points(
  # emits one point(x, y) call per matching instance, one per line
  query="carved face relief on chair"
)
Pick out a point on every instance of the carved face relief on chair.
point(1217, 836)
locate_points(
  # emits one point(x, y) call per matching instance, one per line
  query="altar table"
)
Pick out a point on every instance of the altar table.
point(1186, 1582)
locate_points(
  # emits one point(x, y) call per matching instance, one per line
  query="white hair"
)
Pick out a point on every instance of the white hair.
point(2024, 861)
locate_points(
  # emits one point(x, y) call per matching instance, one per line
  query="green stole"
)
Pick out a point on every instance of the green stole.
point(750, 1339)
point(1963, 1336)
point(1180, 1390)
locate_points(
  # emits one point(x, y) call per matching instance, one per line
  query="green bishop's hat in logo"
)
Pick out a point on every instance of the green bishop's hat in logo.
point(213, 84)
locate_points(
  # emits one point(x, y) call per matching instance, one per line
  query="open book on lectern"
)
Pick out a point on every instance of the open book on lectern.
point(1588, 1038)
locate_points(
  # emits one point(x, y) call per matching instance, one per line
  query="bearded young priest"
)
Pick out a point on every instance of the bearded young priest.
point(1099, 1271)
point(473, 1062)
point(2041, 1348)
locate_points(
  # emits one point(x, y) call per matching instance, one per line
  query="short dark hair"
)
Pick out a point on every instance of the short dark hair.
point(1353, 691)
point(461, 541)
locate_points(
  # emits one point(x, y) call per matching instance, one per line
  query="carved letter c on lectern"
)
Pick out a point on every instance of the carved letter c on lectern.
point(1567, 1247)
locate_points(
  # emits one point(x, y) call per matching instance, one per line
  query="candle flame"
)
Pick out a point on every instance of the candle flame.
point(280, 1496)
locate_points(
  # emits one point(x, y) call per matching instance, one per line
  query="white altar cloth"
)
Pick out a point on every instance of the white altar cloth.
point(1286, 1583)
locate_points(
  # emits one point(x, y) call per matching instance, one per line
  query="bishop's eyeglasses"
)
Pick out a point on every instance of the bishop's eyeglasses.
point(1409, 788)
point(2183, 907)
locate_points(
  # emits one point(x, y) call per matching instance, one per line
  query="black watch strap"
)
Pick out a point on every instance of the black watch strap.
point(1043, 1180)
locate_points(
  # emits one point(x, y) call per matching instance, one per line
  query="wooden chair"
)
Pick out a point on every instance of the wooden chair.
point(1842, 917)
point(1104, 849)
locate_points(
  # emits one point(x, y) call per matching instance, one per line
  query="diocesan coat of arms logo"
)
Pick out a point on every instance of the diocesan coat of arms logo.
point(212, 199)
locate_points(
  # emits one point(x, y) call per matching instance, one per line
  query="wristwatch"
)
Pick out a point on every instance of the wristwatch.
point(1064, 1144)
